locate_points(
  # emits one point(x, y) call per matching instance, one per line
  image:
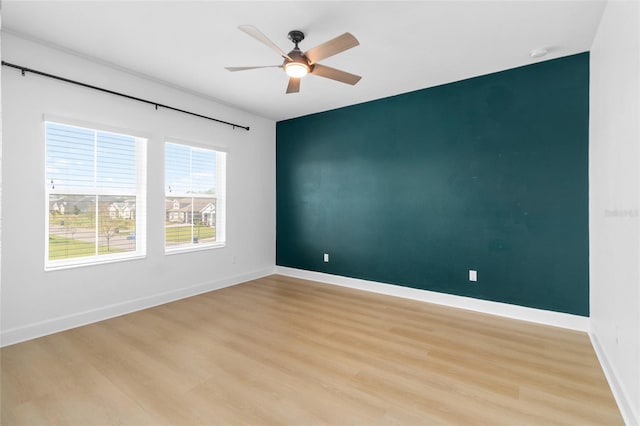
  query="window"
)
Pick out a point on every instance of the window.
point(194, 197)
point(95, 196)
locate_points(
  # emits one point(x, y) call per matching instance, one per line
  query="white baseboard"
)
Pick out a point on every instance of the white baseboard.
point(631, 418)
point(540, 316)
point(43, 328)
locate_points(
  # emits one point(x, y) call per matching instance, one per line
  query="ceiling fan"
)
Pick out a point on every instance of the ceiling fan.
point(297, 64)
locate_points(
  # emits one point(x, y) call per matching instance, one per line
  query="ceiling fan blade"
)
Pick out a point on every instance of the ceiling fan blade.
point(331, 47)
point(255, 33)
point(251, 68)
point(334, 74)
point(294, 85)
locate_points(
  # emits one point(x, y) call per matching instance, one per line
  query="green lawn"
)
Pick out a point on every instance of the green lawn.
point(73, 221)
point(65, 248)
point(182, 234)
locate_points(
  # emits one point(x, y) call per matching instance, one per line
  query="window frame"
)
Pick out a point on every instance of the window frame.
point(140, 193)
point(220, 197)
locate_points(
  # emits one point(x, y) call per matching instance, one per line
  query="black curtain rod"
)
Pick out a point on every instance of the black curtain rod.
point(156, 104)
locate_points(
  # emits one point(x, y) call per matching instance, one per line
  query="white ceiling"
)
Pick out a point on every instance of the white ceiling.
point(404, 46)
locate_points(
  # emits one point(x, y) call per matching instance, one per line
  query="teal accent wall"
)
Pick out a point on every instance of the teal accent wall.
point(489, 173)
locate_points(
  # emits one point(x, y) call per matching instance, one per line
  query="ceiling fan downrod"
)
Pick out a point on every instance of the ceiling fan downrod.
point(296, 37)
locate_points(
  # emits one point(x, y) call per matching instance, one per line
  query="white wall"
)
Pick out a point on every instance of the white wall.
point(0, 179)
point(35, 302)
point(614, 201)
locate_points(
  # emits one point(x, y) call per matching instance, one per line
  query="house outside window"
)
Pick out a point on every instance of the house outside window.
point(195, 182)
point(95, 196)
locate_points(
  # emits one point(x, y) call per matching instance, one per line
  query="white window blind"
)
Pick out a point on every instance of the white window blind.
point(195, 182)
point(95, 194)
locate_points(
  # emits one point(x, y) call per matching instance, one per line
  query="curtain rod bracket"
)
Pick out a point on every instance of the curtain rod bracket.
point(23, 70)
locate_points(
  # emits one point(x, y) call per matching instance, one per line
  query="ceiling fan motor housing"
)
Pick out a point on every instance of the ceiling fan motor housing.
point(298, 57)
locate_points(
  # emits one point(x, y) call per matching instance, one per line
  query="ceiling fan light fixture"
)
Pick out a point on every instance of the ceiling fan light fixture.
point(296, 69)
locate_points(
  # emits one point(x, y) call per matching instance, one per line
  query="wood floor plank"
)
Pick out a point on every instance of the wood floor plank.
point(280, 350)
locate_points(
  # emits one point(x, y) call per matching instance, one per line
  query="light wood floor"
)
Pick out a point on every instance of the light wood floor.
point(284, 351)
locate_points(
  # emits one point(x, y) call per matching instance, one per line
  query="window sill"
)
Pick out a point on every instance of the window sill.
point(71, 265)
point(192, 248)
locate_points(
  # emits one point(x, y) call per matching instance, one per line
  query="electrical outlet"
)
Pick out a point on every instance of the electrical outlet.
point(326, 257)
point(473, 275)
